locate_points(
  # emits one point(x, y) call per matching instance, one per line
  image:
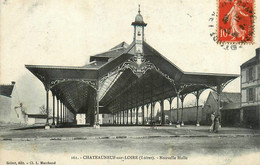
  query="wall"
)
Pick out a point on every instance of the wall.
point(8, 113)
point(40, 121)
point(230, 117)
point(5, 108)
point(210, 106)
point(189, 115)
point(106, 118)
point(250, 108)
point(31, 121)
point(246, 84)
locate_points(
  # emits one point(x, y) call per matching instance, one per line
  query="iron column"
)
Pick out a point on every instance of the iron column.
point(162, 110)
point(57, 111)
point(53, 111)
point(47, 109)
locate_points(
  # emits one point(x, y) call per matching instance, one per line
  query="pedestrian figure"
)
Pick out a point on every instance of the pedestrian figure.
point(212, 117)
point(216, 124)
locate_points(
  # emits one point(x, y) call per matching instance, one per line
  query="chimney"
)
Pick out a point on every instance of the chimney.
point(257, 52)
point(13, 82)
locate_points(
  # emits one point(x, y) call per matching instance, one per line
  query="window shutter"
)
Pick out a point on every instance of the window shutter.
point(258, 72)
point(247, 75)
point(247, 95)
point(254, 94)
point(254, 73)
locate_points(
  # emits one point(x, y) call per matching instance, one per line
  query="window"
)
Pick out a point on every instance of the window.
point(258, 71)
point(243, 76)
point(258, 93)
point(250, 74)
point(244, 95)
point(251, 94)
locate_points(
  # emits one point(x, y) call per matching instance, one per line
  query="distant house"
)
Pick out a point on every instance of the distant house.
point(37, 119)
point(229, 108)
point(250, 91)
point(11, 110)
point(81, 119)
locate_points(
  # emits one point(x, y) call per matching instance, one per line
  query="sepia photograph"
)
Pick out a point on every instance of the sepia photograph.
point(129, 82)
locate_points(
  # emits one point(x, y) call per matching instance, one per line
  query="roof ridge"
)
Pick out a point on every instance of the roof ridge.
point(110, 50)
point(228, 96)
point(125, 52)
point(253, 59)
point(7, 84)
point(121, 45)
point(210, 73)
point(56, 67)
point(158, 53)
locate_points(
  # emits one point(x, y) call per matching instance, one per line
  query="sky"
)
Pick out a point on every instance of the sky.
point(67, 33)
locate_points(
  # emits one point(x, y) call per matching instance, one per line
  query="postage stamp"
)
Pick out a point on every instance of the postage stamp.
point(235, 21)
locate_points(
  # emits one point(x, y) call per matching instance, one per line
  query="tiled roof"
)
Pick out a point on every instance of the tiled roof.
point(94, 64)
point(227, 97)
point(121, 45)
point(112, 53)
point(6, 90)
point(252, 61)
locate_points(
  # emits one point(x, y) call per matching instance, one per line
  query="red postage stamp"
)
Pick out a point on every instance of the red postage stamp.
point(235, 21)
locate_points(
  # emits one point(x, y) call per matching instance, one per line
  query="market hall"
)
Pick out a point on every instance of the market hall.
point(124, 79)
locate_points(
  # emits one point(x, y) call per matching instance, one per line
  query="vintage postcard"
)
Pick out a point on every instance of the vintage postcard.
point(129, 82)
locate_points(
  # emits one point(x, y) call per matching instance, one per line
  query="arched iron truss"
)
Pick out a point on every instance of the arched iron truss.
point(91, 83)
point(137, 69)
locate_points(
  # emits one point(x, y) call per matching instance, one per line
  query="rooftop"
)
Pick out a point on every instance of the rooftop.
point(252, 61)
point(6, 90)
point(228, 97)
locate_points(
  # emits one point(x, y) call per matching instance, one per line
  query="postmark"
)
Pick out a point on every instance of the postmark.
point(214, 36)
point(235, 21)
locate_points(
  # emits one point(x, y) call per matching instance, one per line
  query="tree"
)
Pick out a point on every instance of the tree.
point(43, 110)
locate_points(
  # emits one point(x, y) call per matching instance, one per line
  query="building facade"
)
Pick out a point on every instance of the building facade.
point(250, 91)
point(11, 110)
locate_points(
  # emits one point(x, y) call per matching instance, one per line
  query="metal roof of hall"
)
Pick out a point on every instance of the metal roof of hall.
point(137, 71)
point(110, 54)
point(66, 81)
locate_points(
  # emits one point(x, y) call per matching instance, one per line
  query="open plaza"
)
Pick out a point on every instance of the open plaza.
point(162, 143)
